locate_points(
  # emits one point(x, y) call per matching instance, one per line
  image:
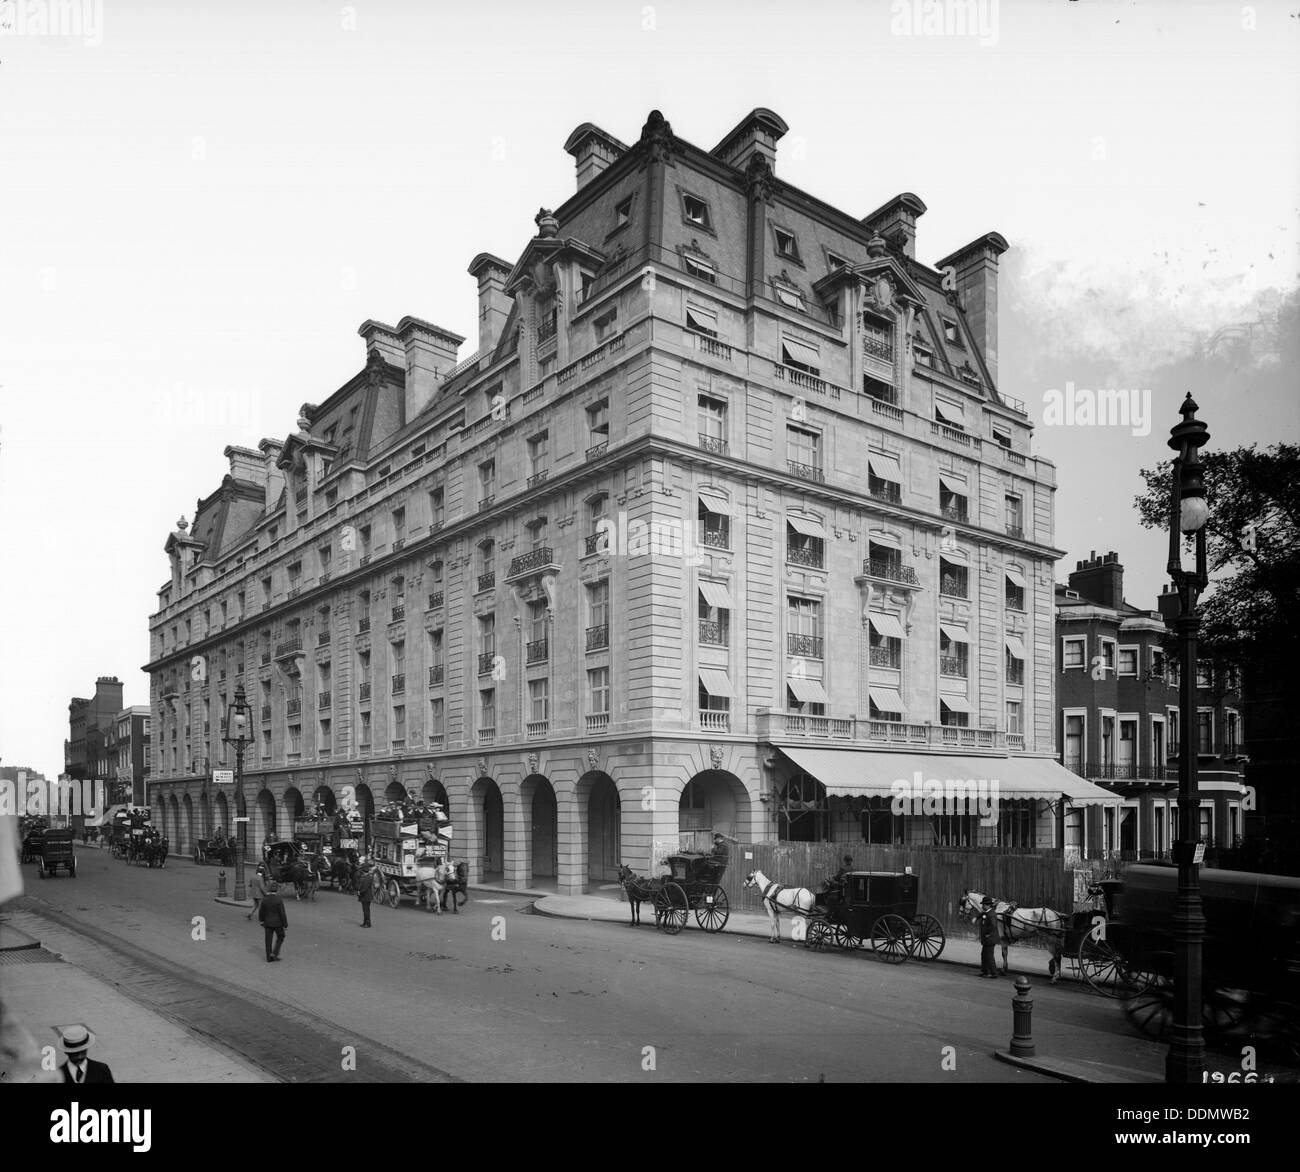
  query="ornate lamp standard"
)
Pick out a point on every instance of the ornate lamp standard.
point(1188, 513)
point(239, 723)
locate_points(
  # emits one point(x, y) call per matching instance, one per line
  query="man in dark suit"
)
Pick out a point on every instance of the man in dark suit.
point(366, 893)
point(274, 918)
point(74, 1041)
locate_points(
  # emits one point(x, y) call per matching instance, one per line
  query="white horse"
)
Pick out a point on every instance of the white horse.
point(798, 901)
point(1020, 923)
point(432, 880)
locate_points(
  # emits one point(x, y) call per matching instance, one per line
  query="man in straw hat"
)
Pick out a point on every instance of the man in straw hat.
point(74, 1042)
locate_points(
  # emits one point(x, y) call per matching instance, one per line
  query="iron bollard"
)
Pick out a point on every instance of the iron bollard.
point(221, 884)
point(1022, 1034)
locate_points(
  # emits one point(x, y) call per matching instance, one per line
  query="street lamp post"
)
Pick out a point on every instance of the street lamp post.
point(1188, 514)
point(239, 722)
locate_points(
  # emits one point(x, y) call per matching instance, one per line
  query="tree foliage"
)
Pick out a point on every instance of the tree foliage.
point(1251, 609)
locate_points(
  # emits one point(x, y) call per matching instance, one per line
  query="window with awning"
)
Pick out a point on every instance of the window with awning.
point(807, 527)
point(887, 626)
point(950, 413)
point(715, 682)
point(885, 467)
point(888, 700)
point(702, 320)
point(1016, 646)
point(955, 703)
point(955, 634)
point(716, 594)
point(1015, 577)
point(715, 502)
point(800, 355)
point(807, 691)
point(953, 484)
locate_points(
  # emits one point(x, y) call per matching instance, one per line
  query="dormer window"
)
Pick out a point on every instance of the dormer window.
point(700, 269)
point(786, 244)
point(836, 262)
point(586, 282)
point(787, 295)
point(695, 211)
point(951, 333)
point(923, 354)
point(623, 213)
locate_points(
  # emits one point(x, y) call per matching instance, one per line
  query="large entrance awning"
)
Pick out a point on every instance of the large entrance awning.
point(865, 773)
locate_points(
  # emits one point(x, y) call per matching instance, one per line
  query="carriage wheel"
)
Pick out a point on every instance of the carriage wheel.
point(845, 939)
point(927, 937)
point(1108, 972)
point(672, 908)
point(820, 935)
point(394, 893)
point(713, 910)
point(891, 938)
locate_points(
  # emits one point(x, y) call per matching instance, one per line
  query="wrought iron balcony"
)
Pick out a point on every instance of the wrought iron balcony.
point(954, 513)
point(538, 651)
point(717, 538)
point(597, 542)
point(1015, 600)
point(885, 656)
point(436, 599)
point(805, 471)
point(435, 674)
point(364, 559)
point(364, 691)
point(486, 660)
point(293, 592)
point(1016, 672)
point(399, 613)
point(323, 638)
point(597, 450)
point(486, 502)
point(952, 665)
point(363, 625)
point(288, 647)
point(879, 391)
point(952, 586)
point(809, 555)
point(808, 646)
point(293, 706)
point(266, 658)
point(713, 444)
point(713, 633)
point(399, 543)
point(324, 699)
point(266, 714)
point(399, 683)
point(546, 327)
point(324, 576)
point(889, 570)
point(597, 637)
point(537, 477)
point(885, 490)
point(531, 562)
point(875, 348)
point(1015, 531)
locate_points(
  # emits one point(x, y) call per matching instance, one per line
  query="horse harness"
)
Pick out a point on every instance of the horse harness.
point(771, 891)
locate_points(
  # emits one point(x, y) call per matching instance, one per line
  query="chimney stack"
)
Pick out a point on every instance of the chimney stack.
point(976, 268)
point(1100, 580)
point(493, 303)
point(757, 133)
point(896, 222)
point(273, 477)
point(246, 465)
point(593, 151)
point(383, 339)
point(430, 352)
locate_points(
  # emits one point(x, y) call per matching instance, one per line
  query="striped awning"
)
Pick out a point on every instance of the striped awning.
point(700, 316)
point(886, 467)
point(955, 703)
point(887, 626)
point(716, 683)
point(1015, 576)
point(1016, 646)
point(952, 484)
point(806, 526)
point(716, 594)
point(800, 352)
point(807, 691)
point(956, 634)
point(715, 502)
point(950, 412)
point(887, 700)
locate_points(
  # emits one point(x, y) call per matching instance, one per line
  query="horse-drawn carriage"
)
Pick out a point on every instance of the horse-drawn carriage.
point(287, 863)
point(412, 863)
point(51, 848)
point(215, 850)
point(693, 885)
point(31, 830)
point(147, 846)
point(878, 907)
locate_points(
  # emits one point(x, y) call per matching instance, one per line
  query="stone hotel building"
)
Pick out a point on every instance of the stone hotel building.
point(724, 524)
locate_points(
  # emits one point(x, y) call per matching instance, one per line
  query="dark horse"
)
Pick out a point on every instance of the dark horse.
point(454, 887)
point(638, 890)
point(341, 869)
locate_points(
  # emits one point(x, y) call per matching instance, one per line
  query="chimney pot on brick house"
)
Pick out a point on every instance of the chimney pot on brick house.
point(756, 133)
point(593, 151)
point(1100, 580)
point(494, 305)
point(976, 268)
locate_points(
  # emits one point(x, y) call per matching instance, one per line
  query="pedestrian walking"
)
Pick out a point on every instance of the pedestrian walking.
point(274, 918)
point(988, 937)
point(366, 893)
point(74, 1042)
point(258, 889)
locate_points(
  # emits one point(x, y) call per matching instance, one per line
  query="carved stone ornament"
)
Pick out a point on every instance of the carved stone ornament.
point(593, 759)
point(759, 179)
point(715, 756)
point(482, 767)
point(532, 763)
point(657, 134)
point(392, 773)
point(429, 773)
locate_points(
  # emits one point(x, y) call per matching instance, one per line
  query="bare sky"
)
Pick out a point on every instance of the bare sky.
point(203, 201)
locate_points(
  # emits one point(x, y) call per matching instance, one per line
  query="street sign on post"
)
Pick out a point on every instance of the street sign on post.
point(223, 777)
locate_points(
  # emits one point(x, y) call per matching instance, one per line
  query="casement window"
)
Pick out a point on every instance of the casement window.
point(1002, 437)
point(1015, 718)
point(598, 691)
point(623, 213)
point(884, 476)
point(954, 651)
point(1073, 653)
point(399, 722)
point(1231, 731)
point(487, 635)
point(787, 245)
point(953, 579)
point(487, 703)
point(700, 269)
point(399, 526)
point(598, 604)
point(1014, 588)
point(598, 423)
point(1107, 653)
point(696, 211)
point(436, 717)
point(436, 508)
point(1204, 673)
point(1128, 661)
point(712, 422)
point(878, 338)
point(805, 542)
point(714, 518)
point(878, 389)
point(954, 712)
point(586, 282)
point(804, 627)
point(885, 641)
point(1171, 727)
point(952, 497)
point(787, 295)
point(1014, 513)
point(539, 453)
point(923, 354)
point(597, 516)
point(1015, 660)
point(1205, 730)
point(539, 700)
point(951, 333)
point(487, 554)
point(1157, 663)
point(1074, 732)
point(714, 613)
point(803, 447)
point(487, 480)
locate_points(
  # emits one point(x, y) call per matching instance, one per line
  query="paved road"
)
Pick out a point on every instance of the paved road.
point(498, 994)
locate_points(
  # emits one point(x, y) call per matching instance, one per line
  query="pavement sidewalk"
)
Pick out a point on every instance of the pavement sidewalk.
point(44, 992)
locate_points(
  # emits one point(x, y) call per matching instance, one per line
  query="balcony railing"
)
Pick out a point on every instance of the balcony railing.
point(950, 433)
point(804, 380)
point(952, 586)
point(875, 348)
point(435, 674)
point(399, 613)
point(884, 657)
point(293, 592)
point(888, 410)
point(399, 683)
point(537, 477)
point(533, 560)
point(399, 543)
point(324, 699)
point(364, 559)
point(294, 706)
point(808, 646)
point(952, 665)
point(537, 728)
point(324, 576)
point(712, 443)
point(364, 692)
point(597, 542)
point(1015, 601)
point(435, 599)
point(287, 647)
point(954, 512)
point(885, 490)
point(485, 661)
point(793, 724)
point(713, 633)
point(546, 327)
point(889, 570)
point(1123, 771)
point(597, 637)
point(363, 625)
point(538, 650)
point(801, 555)
point(1015, 531)
point(322, 639)
point(597, 721)
point(486, 502)
point(487, 581)
point(717, 538)
point(596, 451)
point(488, 734)
point(266, 714)
point(715, 720)
point(435, 740)
point(1016, 673)
point(710, 346)
point(805, 471)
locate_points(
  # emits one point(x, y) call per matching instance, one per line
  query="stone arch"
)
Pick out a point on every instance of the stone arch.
point(714, 800)
point(221, 816)
point(485, 845)
point(262, 825)
point(540, 812)
point(172, 826)
point(325, 796)
point(187, 844)
point(292, 804)
point(435, 791)
point(600, 822)
point(395, 792)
